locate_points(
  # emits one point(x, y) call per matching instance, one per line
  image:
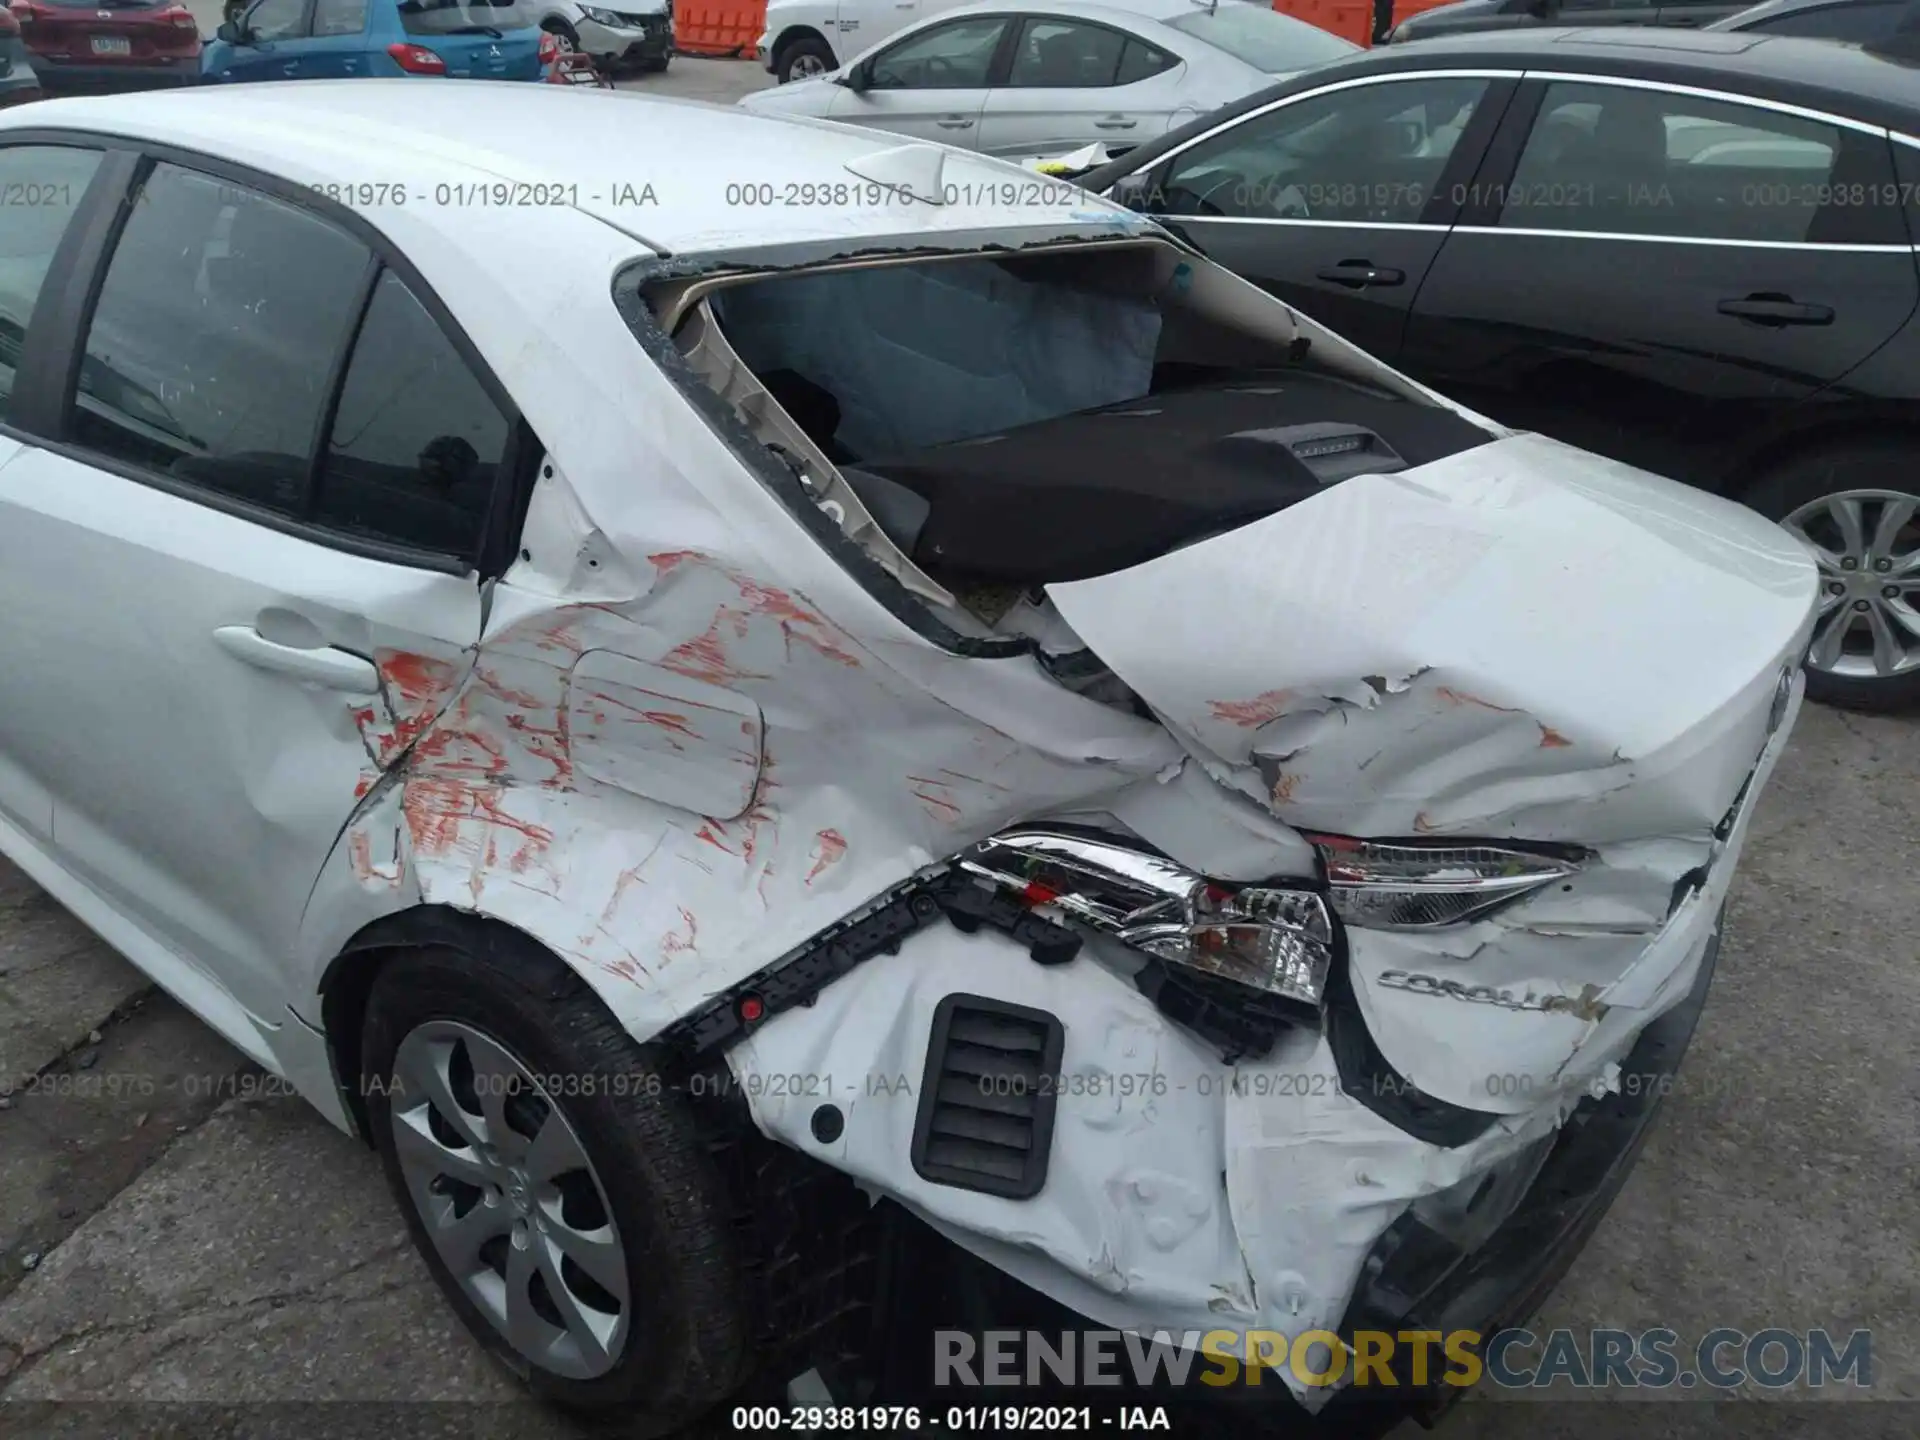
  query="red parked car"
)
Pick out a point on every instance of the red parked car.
point(110, 44)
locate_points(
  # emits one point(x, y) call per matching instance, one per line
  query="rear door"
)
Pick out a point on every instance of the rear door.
point(231, 625)
point(1073, 82)
point(49, 182)
point(931, 84)
point(1337, 199)
point(1654, 273)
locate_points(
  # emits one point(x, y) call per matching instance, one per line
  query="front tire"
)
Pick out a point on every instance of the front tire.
point(565, 34)
point(554, 1183)
point(803, 59)
point(1858, 505)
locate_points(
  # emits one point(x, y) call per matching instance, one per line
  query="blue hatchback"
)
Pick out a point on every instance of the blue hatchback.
point(336, 39)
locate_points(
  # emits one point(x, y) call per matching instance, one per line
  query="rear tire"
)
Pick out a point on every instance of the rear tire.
point(1858, 502)
point(678, 1339)
point(802, 59)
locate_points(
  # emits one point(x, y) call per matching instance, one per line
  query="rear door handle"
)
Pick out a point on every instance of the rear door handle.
point(1359, 274)
point(323, 665)
point(1776, 310)
point(956, 122)
point(1115, 122)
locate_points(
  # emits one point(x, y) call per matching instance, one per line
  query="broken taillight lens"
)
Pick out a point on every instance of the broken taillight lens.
point(1272, 938)
point(1416, 885)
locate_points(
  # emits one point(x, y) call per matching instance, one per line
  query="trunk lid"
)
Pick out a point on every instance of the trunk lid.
point(1520, 640)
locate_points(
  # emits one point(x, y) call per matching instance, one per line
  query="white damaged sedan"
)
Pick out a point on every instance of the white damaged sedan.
point(919, 688)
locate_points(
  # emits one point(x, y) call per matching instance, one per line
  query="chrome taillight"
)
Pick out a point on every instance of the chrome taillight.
point(1273, 938)
point(1418, 884)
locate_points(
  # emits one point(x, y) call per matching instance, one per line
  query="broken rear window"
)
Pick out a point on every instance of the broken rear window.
point(986, 424)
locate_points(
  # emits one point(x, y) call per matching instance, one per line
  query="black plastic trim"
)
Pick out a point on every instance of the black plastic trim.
point(1040, 1102)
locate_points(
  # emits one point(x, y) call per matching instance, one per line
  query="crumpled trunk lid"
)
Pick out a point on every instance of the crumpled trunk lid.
point(1519, 640)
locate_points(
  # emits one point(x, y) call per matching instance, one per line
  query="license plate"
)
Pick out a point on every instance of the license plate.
point(112, 45)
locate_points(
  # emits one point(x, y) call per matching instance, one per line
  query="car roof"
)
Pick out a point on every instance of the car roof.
point(1845, 80)
point(720, 177)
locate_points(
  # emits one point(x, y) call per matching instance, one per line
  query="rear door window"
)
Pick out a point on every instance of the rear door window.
point(1141, 61)
point(1632, 161)
point(416, 442)
point(40, 185)
point(214, 341)
point(1065, 55)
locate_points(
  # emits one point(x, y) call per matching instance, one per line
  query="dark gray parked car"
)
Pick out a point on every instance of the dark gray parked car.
point(1466, 16)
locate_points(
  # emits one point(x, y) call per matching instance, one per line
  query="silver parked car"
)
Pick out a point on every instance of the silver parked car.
point(1049, 76)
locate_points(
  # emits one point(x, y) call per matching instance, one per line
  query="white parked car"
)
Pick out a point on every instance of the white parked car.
point(1051, 75)
point(917, 686)
point(639, 33)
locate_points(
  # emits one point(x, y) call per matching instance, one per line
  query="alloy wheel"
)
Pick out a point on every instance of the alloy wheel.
point(805, 67)
point(1867, 545)
point(510, 1199)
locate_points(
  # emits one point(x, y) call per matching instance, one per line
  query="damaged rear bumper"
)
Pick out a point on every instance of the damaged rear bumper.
point(1186, 1194)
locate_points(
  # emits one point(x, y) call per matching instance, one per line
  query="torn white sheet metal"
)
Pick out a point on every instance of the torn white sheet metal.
point(1182, 1194)
point(1518, 640)
point(1129, 1230)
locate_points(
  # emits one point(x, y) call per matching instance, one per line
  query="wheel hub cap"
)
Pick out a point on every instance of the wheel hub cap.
point(1867, 545)
point(510, 1200)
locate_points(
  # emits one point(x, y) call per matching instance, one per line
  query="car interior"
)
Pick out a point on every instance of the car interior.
point(1009, 422)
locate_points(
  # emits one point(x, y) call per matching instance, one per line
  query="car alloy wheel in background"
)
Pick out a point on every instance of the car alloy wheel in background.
point(1867, 544)
point(510, 1199)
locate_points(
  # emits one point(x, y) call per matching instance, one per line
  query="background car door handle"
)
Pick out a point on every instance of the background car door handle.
point(322, 665)
point(1358, 274)
point(292, 67)
point(955, 122)
point(1115, 122)
point(1777, 310)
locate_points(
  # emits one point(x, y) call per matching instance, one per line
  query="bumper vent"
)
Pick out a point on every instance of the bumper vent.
point(985, 1120)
